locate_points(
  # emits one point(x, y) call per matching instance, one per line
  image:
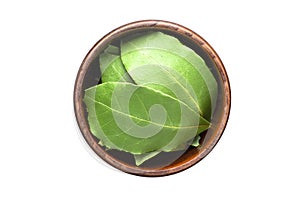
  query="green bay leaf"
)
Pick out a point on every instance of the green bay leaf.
point(141, 158)
point(111, 66)
point(156, 58)
point(196, 141)
point(170, 104)
point(164, 124)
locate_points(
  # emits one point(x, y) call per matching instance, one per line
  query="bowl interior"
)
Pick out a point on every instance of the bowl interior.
point(165, 163)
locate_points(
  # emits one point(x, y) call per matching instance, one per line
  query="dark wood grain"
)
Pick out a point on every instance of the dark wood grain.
point(192, 155)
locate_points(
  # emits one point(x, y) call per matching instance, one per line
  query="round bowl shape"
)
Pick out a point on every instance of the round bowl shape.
point(89, 75)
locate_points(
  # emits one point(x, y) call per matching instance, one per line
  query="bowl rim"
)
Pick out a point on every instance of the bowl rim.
point(78, 96)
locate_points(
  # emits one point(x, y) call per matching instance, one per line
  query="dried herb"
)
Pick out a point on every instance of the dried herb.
point(155, 95)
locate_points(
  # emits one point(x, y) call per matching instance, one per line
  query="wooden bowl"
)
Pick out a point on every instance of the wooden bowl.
point(167, 163)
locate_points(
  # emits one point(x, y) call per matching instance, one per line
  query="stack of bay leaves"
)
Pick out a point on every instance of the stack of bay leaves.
point(156, 95)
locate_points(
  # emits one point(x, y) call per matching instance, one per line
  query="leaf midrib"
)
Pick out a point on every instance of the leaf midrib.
point(150, 122)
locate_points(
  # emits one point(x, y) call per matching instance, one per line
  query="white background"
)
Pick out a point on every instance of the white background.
point(42, 45)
